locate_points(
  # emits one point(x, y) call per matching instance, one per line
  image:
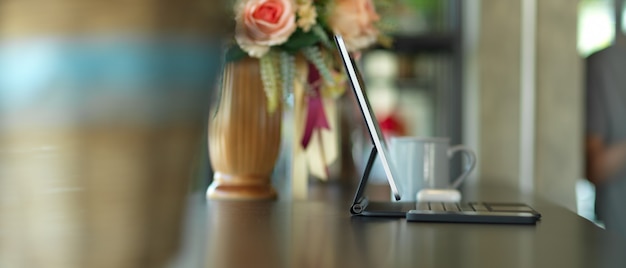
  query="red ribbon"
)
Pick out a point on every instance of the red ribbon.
point(316, 117)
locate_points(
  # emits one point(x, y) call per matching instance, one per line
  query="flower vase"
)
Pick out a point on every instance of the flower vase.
point(244, 136)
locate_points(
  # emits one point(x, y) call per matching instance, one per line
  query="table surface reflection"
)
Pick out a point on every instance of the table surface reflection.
point(321, 233)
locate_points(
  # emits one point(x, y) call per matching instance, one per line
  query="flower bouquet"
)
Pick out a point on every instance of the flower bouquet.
point(288, 45)
point(276, 31)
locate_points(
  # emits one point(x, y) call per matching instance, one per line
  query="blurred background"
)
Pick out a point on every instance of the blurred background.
point(506, 78)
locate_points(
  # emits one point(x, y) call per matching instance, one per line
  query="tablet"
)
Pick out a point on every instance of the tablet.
point(372, 124)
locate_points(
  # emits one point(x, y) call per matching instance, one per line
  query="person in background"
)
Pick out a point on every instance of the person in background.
point(605, 142)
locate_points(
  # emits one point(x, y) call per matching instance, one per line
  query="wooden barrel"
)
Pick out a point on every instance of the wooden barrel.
point(103, 110)
point(203, 18)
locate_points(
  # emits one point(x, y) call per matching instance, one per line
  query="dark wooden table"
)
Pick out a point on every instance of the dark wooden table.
point(321, 233)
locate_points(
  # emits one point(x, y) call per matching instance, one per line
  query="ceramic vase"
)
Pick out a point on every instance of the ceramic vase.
point(244, 136)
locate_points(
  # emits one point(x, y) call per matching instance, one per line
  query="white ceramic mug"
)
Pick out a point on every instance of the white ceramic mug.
point(425, 163)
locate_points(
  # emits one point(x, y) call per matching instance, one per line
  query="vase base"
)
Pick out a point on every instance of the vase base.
point(259, 189)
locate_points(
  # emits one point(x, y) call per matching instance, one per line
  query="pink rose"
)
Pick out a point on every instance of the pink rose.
point(264, 23)
point(355, 21)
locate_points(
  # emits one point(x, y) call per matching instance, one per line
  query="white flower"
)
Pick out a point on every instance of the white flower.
point(307, 16)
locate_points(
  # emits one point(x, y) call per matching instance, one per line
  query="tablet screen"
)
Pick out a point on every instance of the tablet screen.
point(370, 119)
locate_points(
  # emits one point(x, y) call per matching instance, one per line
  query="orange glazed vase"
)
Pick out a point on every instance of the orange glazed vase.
point(244, 137)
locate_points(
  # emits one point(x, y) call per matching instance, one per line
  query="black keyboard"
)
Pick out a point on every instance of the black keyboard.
point(478, 212)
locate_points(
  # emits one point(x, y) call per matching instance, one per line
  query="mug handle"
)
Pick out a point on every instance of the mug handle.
point(471, 158)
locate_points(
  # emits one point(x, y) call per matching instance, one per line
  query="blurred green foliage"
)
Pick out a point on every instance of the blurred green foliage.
point(426, 5)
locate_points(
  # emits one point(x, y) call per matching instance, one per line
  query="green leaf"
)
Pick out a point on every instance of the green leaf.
point(323, 7)
point(287, 72)
point(323, 36)
point(314, 55)
point(269, 78)
point(235, 53)
point(298, 40)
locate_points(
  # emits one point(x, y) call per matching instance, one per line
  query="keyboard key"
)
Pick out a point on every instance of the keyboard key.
point(423, 206)
point(479, 207)
point(437, 207)
point(466, 207)
point(512, 208)
point(451, 206)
